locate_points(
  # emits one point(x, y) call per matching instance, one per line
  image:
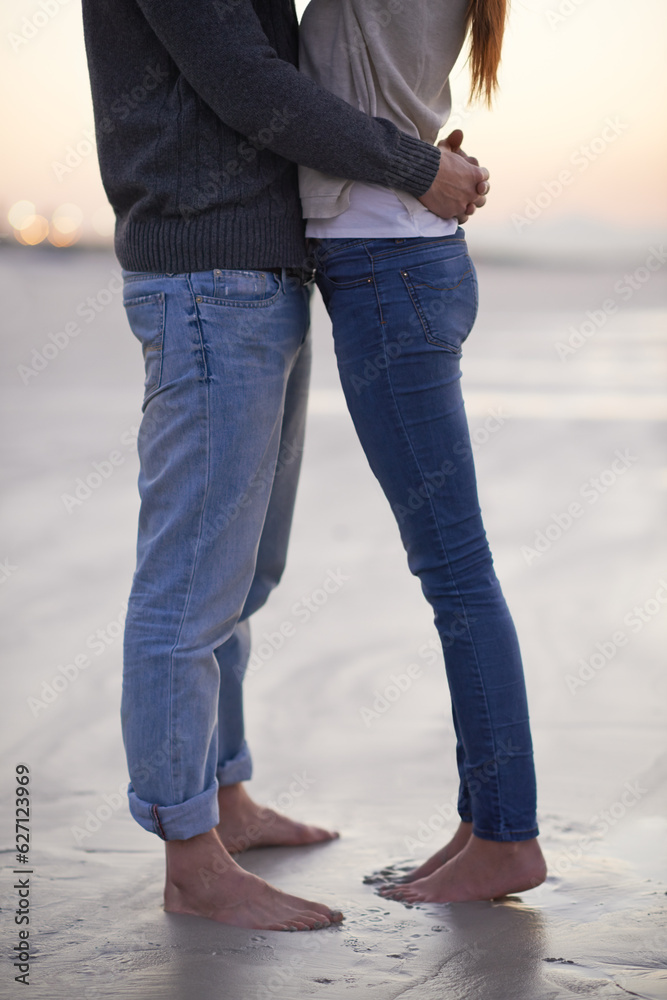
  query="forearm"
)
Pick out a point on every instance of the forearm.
point(223, 53)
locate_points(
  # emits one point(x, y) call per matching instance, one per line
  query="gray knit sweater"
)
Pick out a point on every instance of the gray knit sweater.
point(201, 117)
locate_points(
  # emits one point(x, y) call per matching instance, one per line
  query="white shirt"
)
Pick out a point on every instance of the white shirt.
point(378, 212)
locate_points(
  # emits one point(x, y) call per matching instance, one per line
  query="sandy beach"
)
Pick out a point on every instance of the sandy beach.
point(349, 718)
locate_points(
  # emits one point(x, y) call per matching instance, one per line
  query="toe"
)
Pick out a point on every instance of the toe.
point(317, 833)
point(395, 892)
point(315, 919)
point(413, 894)
point(325, 913)
point(286, 925)
point(296, 924)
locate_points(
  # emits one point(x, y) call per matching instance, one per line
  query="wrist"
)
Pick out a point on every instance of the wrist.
point(415, 165)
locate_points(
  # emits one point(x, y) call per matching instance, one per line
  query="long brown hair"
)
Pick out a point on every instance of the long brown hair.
point(485, 21)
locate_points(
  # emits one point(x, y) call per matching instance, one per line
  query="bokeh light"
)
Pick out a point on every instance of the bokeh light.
point(65, 225)
point(104, 221)
point(34, 230)
point(67, 218)
point(19, 213)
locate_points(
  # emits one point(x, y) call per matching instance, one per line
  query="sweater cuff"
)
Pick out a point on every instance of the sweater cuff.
point(414, 166)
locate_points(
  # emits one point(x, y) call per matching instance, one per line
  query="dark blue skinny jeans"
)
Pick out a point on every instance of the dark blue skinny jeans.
point(401, 309)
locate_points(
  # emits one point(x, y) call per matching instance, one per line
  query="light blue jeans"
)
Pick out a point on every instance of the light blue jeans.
point(227, 360)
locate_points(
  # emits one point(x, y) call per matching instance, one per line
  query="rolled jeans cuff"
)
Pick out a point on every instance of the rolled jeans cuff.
point(506, 835)
point(239, 768)
point(179, 822)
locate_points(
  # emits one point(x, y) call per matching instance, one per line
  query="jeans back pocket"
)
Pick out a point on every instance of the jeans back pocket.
point(444, 294)
point(145, 315)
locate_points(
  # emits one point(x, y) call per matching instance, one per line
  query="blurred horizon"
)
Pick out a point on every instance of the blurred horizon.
point(586, 75)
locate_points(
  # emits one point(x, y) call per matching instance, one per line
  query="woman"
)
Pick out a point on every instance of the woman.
point(401, 292)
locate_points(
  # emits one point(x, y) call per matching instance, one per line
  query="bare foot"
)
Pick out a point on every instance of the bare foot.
point(203, 880)
point(456, 844)
point(245, 824)
point(483, 869)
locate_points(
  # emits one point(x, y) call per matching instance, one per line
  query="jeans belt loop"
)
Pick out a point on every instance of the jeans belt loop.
point(303, 274)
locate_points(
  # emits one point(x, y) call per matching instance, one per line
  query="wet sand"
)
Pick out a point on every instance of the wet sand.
point(322, 714)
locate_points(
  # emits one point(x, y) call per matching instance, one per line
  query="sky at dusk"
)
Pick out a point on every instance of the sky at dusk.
point(583, 97)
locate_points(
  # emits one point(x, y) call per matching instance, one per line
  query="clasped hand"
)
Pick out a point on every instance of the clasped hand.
point(460, 186)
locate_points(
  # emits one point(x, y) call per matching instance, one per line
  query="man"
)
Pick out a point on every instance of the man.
point(201, 118)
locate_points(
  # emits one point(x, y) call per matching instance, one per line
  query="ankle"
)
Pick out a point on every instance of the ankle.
point(182, 855)
point(195, 869)
point(507, 846)
point(232, 793)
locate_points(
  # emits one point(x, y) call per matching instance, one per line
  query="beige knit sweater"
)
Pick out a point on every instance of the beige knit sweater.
point(389, 58)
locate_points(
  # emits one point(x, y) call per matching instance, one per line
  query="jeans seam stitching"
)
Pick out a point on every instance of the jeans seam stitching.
point(188, 595)
point(212, 300)
point(199, 329)
point(386, 254)
point(377, 294)
point(157, 825)
point(444, 553)
point(428, 336)
point(323, 254)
